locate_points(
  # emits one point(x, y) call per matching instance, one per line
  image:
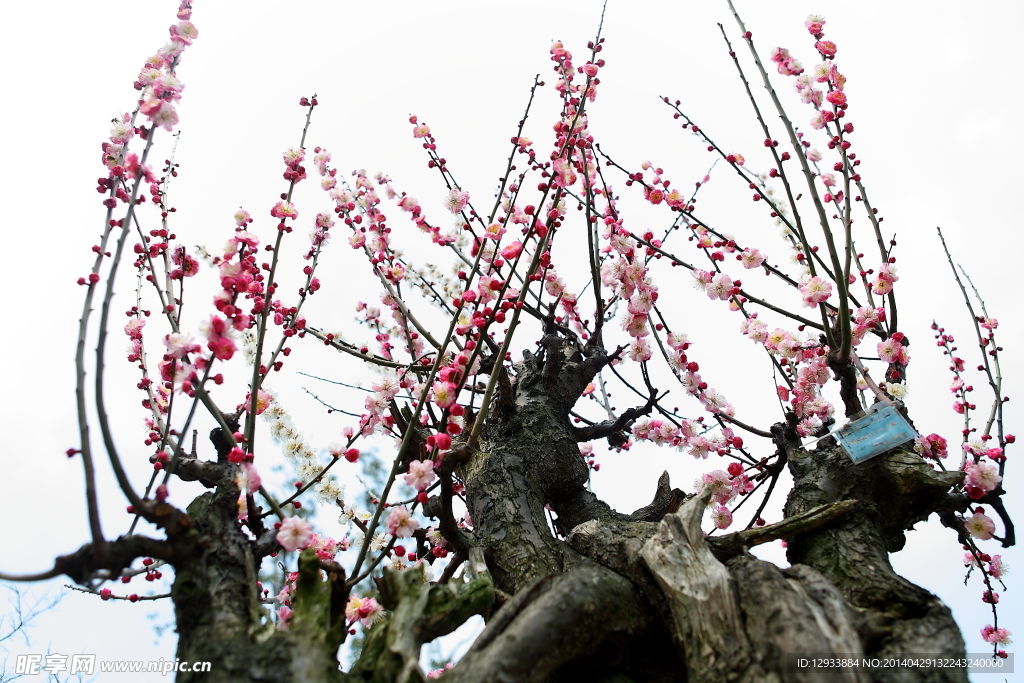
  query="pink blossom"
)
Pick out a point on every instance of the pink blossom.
point(284, 210)
point(241, 237)
point(441, 440)
point(565, 176)
point(889, 350)
point(242, 218)
point(188, 266)
point(699, 447)
point(722, 517)
point(167, 87)
point(494, 231)
point(826, 47)
point(716, 402)
point(179, 345)
point(295, 533)
point(222, 348)
point(263, 401)
point(980, 526)
point(437, 673)
point(122, 131)
point(163, 114)
point(836, 97)
point(421, 474)
point(888, 272)
point(815, 291)
point(837, 80)
point(444, 394)
point(720, 484)
point(996, 567)
point(932, 446)
point(134, 328)
point(325, 547)
point(456, 200)
point(248, 478)
point(810, 95)
point(636, 325)
point(640, 349)
point(751, 258)
point(365, 610)
point(720, 287)
point(400, 522)
point(815, 24)
point(284, 615)
point(677, 340)
point(881, 286)
point(996, 635)
point(983, 475)
point(185, 31)
point(511, 251)
point(642, 429)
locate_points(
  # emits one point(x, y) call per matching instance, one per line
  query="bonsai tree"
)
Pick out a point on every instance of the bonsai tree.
point(509, 339)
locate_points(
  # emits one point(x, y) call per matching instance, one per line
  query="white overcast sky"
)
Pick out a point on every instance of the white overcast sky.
point(933, 94)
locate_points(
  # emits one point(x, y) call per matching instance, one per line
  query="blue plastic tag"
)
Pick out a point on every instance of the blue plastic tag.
point(875, 433)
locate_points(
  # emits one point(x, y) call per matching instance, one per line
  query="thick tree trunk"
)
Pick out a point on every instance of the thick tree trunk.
point(218, 609)
point(617, 583)
point(220, 618)
point(596, 594)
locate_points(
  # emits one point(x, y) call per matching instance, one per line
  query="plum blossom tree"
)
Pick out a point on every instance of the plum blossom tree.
point(486, 507)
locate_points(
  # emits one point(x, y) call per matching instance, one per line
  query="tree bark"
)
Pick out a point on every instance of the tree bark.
point(220, 618)
point(730, 616)
point(573, 590)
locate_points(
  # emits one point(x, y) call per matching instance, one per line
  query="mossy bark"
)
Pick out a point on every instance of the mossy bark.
point(221, 620)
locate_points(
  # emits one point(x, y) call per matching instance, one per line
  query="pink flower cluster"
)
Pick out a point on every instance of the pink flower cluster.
point(808, 369)
point(726, 486)
point(366, 611)
point(689, 435)
point(160, 87)
point(892, 349)
point(995, 568)
point(825, 72)
point(981, 478)
point(886, 277)
point(932, 447)
point(993, 635)
point(787, 64)
point(378, 403)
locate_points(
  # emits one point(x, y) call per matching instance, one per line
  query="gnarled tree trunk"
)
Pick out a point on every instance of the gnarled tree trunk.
point(602, 595)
